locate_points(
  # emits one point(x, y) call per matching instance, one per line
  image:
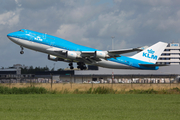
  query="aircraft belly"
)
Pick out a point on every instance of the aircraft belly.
point(15, 40)
point(114, 65)
point(35, 46)
point(32, 45)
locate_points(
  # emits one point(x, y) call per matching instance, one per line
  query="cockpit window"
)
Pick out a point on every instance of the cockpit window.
point(21, 30)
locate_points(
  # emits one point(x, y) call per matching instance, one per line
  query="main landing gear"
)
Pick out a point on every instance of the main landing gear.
point(21, 52)
point(81, 66)
point(71, 66)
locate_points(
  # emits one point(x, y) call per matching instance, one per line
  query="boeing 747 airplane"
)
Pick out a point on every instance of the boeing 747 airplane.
point(59, 49)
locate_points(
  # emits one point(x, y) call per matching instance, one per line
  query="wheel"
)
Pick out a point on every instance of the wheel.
point(21, 52)
point(70, 64)
point(84, 67)
point(71, 68)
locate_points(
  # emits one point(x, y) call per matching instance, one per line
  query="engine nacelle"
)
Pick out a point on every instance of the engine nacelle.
point(54, 58)
point(101, 54)
point(71, 55)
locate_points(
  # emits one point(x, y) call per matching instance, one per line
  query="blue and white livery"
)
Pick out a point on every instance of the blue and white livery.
point(59, 49)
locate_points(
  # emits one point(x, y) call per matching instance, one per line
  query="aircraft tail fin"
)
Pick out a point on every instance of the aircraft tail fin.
point(152, 53)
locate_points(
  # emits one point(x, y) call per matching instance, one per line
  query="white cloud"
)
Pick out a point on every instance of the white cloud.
point(120, 44)
point(158, 2)
point(71, 32)
point(17, 2)
point(118, 1)
point(116, 23)
point(9, 18)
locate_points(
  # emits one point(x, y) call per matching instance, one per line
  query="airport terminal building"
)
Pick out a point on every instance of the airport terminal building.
point(171, 55)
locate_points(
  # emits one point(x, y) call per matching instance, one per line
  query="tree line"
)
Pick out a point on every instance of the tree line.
point(32, 70)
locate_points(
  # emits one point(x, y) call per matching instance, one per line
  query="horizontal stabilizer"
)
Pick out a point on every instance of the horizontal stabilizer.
point(153, 65)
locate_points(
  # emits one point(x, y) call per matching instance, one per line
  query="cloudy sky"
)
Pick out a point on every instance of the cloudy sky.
point(91, 23)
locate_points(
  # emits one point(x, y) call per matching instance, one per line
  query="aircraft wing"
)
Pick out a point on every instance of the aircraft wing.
point(113, 53)
point(92, 56)
point(87, 53)
point(123, 51)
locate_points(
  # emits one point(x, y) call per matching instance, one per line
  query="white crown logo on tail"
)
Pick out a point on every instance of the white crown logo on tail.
point(150, 54)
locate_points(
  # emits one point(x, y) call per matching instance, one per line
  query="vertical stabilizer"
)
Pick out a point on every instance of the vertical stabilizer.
point(152, 53)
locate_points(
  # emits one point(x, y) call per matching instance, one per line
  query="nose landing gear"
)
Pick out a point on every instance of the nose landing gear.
point(21, 52)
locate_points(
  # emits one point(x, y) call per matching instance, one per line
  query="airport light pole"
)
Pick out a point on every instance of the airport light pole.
point(113, 69)
point(112, 42)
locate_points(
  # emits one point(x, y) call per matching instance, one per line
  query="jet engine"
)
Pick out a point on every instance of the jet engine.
point(71, 55)
point(54, 58)
point(101, 54)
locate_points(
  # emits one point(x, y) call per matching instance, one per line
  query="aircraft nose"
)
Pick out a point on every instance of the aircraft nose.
point(10, 35)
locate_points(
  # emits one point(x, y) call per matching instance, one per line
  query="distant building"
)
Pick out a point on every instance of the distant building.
point(15, 70)
point(20, 66)
point(10, 71)
point(171, 55)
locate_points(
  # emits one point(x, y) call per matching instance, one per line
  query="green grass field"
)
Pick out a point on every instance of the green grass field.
point(90, 107)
